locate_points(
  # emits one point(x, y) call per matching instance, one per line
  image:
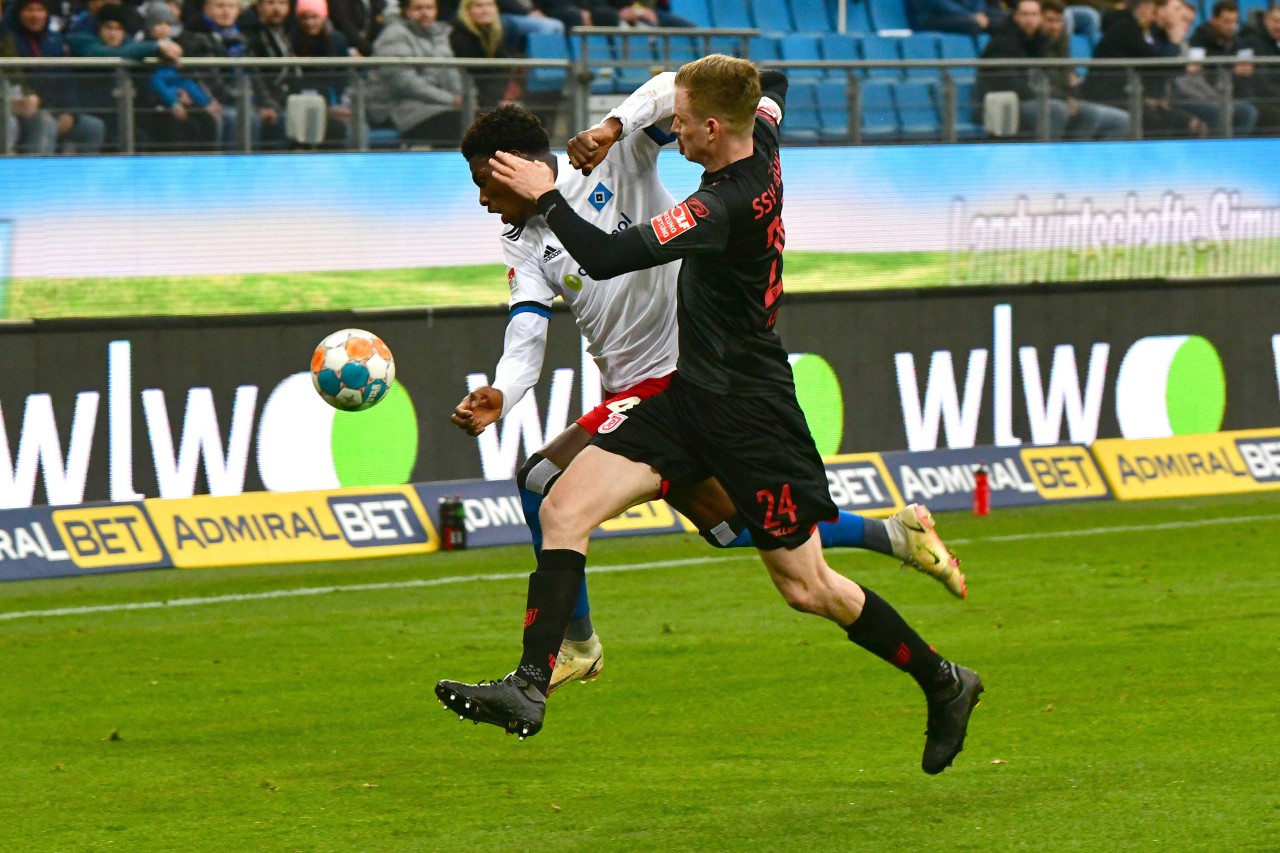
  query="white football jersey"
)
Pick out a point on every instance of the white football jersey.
point(629, 321)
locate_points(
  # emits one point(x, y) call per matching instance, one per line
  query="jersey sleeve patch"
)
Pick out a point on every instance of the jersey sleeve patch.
point(674, 222)
point(769, 108)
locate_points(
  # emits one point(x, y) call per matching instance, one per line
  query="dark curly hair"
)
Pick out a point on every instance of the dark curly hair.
point(508, 128)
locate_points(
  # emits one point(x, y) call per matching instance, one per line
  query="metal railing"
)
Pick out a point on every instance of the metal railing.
point(586, 71)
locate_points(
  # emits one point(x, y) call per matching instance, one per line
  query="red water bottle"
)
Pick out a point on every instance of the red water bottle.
point(981, 490)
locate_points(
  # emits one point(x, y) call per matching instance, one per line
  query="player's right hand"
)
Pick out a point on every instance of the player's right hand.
point(588, 149)
point(477, 410)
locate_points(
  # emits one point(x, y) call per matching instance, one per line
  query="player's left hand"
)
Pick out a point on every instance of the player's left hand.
point(477, 410)
point(589, 148)
point(529, 179)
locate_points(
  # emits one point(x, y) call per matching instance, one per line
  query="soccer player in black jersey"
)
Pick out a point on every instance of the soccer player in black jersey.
point(731, 411)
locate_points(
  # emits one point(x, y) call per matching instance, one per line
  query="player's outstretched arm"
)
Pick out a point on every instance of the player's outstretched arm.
point(602, 255)
point(477, 410)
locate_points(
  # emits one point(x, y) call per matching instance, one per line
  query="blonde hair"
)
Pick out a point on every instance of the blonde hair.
point(490, 37)
point(723, 87)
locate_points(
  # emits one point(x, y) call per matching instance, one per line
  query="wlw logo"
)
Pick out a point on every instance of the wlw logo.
point(551, 252)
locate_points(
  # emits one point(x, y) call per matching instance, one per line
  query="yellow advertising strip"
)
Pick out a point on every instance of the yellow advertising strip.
point(108, 536)
point(1210, 464)
point(1063, 473)
point(282, 527)
point(853, 491)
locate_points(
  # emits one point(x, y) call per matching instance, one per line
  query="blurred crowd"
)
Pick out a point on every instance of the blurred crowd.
point(64, 110)
point(177, 107)
point(1185, 100)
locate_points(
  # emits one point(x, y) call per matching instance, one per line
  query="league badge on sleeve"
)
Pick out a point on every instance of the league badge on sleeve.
point(674, 222)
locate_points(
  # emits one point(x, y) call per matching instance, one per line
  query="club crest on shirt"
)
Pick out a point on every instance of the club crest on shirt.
point(600, 196)
point(612, 422)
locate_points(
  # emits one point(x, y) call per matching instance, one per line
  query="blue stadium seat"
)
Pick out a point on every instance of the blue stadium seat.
point(879, 116)
point(917, 105)
point(730, 13)
point(837, 47)
point(695, 11)
point(546, 46)
point(801, 123)
point(923, 47)
point(857, 20)
point(880, 47)
point(889, 15)
point(728, 45)
point(600, 56)
point(833, 110)
point(773, 16)
point(635, 48)
point(763, 49)
point(956, 46)
point(383, 138)
point(683, 49)
point(811, 17)
point(801, 47)
point(966, 126)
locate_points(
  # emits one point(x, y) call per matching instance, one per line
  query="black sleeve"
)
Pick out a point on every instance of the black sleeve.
point(601, 255)
point(773, 84)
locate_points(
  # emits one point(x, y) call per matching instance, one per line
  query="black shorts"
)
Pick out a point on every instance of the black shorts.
point(759, 448)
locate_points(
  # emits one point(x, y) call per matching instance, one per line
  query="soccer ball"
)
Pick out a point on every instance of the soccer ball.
point(352, 369)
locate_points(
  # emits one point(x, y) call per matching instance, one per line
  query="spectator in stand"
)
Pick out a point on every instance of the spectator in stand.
point(423, 103)
point(1192, 90)
point(96, 90)
point(1131, 34)
point(216, 35)
point(477, 33)
point(359, 21)
point(969, 17)
point(173, 109)
point(316, 36)
point(1085, 119)
point(1020, 38)
point(266, 35)
point(30, 129)
point(521, 20)
point(1220, 36)
point(571, 13)
point(86, 20)
point(1262, 36)
point(637, 13)
point(77, 133)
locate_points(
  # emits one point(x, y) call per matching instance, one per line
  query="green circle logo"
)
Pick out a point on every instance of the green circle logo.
point(1170, 385)
point(378, 446)
point(1197, 389)
point(572, 282)
point(818, 391)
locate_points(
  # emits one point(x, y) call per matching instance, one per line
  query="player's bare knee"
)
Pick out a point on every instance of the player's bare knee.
point(559, 518)
point(799, 595)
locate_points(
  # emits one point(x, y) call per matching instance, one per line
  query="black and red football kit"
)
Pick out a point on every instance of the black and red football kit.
point(731, 410)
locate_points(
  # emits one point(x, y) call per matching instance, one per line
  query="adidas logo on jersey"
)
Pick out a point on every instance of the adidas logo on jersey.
point(550, 253)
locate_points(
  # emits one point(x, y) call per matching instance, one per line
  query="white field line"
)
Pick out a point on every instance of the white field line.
point(622, 567)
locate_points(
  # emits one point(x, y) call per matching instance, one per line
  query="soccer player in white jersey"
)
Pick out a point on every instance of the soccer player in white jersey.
point(629, 322)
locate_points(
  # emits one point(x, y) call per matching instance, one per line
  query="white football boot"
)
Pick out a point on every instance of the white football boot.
point(917, 544)
point(579, 660)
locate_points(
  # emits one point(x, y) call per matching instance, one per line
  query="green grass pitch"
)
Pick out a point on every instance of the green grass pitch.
point(1129, 653)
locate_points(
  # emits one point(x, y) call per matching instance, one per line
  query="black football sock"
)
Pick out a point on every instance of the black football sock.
point(883, 632)
point(553, 591)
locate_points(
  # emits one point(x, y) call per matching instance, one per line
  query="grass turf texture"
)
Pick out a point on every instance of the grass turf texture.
point(1129, 703)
